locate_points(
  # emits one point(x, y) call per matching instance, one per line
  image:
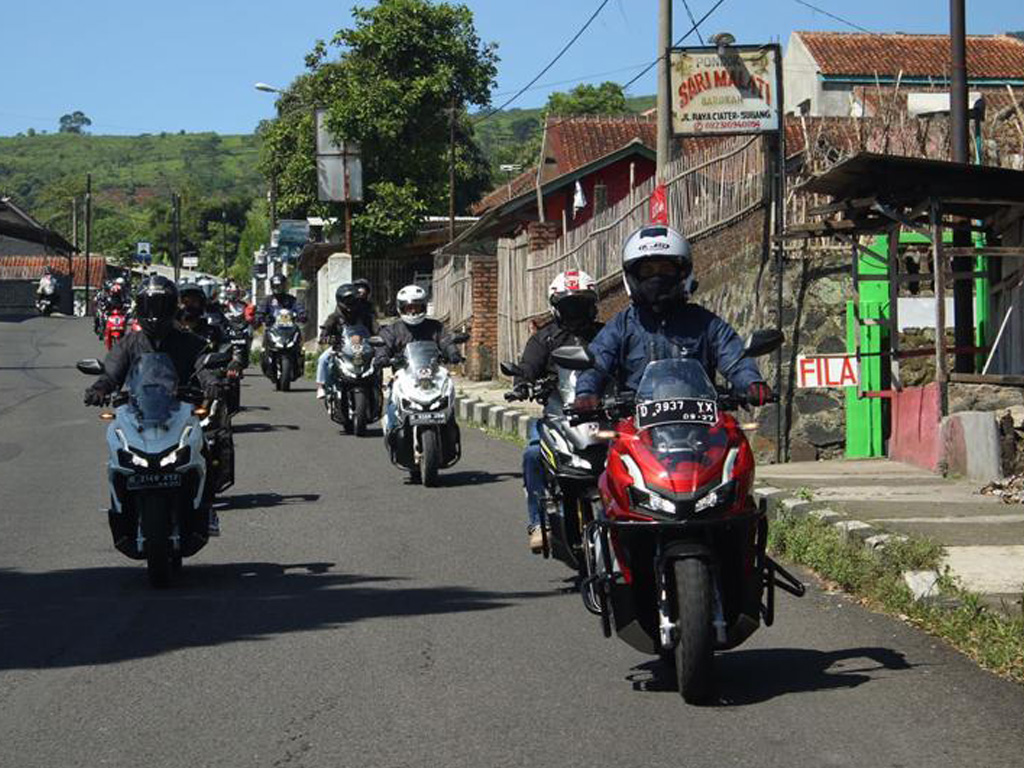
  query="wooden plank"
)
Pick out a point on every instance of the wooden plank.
point(855, 204)
point(1001, 251)
point(939, 271)
point(1008, 380)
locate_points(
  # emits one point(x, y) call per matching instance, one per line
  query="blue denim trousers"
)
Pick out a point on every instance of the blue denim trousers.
point(323, 366)
point(533, 476)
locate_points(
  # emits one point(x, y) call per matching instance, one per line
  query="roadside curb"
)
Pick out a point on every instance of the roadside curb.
point(498, 418)
point(778, 502)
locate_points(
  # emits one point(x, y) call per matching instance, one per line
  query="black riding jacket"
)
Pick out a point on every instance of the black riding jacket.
point(536, 362)
point(184, 349)
point(397, 335)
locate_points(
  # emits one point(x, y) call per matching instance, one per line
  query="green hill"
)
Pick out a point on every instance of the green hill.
point(128, 169)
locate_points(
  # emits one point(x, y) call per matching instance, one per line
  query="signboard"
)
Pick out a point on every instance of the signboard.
point(727, 91)
point(827, 371)
point(190, 262)
point(292, 236)
point(144, 253)
point(339, 167)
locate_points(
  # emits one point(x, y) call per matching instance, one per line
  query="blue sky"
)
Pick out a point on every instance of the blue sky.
point(142, 66)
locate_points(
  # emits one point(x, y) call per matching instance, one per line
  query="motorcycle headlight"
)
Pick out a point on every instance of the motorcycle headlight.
point(177, 457)
point(130, 459)
point(652, 500)
point(717, 496)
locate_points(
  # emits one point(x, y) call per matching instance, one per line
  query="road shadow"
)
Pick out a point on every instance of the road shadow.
point(263, 500)
point(371, 432)
point(474, 477)
point(95, 616)
point(261, 427)
point(17, 317)
point(246, 408)
point(758, 675)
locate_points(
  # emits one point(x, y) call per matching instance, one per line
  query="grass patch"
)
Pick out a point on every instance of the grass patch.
point(500, 435)
point(993, 640)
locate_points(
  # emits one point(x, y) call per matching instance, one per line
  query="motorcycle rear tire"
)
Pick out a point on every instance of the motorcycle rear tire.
point(430, 457)
point(359, 410)
point(694, 653)
point(156, 529)
point(284, 380)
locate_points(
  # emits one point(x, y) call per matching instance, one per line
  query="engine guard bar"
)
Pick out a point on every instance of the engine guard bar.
point(777, 576)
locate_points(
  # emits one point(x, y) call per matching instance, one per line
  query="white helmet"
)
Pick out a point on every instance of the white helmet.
point(573, 298)
point(412, 304)
point(651, 243)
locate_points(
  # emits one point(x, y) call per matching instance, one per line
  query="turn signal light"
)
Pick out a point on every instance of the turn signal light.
point(606, 434)
point(107, 415)
point(750, 426)
point(201, 411)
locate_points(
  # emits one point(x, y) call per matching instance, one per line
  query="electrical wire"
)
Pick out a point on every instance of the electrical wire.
point(578, 78)
point(550, 64)
point(689, 13)
point(833, 16)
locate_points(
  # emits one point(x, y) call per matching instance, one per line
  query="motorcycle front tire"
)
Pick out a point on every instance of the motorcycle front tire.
point(359, 412)
point(694, 653)
point(155, 515)
point(284, 378)
point(430, 457)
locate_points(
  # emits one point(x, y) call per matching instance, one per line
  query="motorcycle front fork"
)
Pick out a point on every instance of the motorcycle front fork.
point(668, 627)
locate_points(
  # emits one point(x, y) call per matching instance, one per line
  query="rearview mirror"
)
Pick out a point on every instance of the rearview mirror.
point(375, 341)
point(511, 369)
point(762, 342)
point(573, 358)
point(460, 338)
point(90, 366)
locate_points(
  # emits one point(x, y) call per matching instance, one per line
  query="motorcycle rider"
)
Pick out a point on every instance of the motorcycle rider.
point(365, 312)
point(349, 314)
point(279, 299)
point(573, 299)
point(205, 319)
point(156, 305)
point(412, 325)
point(657, 269)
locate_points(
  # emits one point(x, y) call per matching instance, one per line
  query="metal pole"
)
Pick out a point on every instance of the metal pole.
point(176, 227)
point(664, 87)
point(963, 289)
point(780, 257)
point(88, 236)
point(348, 227)
point(451, 175)
point(939, 270)
point(224, 241)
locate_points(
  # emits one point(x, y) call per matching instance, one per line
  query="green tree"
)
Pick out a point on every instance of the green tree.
point(74, 122)
point(608, 98)
point(391, 88)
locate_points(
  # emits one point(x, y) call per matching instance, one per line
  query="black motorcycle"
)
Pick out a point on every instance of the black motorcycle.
point(282, 351)
point(354, 397)
point(573, 458)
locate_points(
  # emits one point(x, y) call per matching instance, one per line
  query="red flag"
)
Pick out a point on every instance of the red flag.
point(659, 205)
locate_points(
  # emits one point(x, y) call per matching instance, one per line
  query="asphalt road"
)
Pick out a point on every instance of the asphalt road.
point(346, 618)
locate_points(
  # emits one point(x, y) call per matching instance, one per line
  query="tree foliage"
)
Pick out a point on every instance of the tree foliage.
point(74, 122)
point(398, 72)
point(608, 98)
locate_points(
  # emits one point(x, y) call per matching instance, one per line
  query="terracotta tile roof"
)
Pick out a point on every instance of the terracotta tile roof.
point(501, 193)
point(841, 53)
point(575, 141)
point(31, 267)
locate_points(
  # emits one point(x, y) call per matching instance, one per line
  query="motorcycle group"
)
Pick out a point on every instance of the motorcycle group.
point(637, 476)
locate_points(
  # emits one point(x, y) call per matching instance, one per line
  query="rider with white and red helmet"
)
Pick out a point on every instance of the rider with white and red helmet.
point(573, 299)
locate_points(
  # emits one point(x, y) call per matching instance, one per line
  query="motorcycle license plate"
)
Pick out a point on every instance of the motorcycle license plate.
point(676, 410)
point(417, 419)
point(153, 481)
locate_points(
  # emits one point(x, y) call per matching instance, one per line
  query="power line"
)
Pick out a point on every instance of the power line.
point(833, 16)
point(578, 78)
point(550, 63)
point(689, 13)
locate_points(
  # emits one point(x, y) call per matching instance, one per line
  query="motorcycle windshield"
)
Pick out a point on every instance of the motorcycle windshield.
point(152, 389)
point(678, 421)
point(422, 358)
point(284, 318)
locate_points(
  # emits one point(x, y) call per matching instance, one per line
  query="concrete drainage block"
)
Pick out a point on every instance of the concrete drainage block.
point(464, 406)
point(480, 411)
point(494, 417)
point(854, 529)
point(510, 421)
point(826, 515)
point(923, 585)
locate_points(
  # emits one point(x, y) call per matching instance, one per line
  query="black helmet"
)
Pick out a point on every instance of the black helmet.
point(347, 298)
point(363, 287)
point(156, 303)
point(193, 301)
point(278, 285)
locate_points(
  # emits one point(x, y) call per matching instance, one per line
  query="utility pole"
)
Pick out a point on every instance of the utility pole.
point(88, 236)
point(451, 175)
point(963, 288)
point(224, 240)
point(664, 88)
point(176, 235)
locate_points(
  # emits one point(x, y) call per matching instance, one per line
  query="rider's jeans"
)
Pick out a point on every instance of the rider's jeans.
point(533, 476)
point(323, 365)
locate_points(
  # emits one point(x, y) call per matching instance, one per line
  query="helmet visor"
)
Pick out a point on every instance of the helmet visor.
point(413, 308)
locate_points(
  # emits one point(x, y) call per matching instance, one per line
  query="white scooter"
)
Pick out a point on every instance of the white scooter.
point(420, 432)
point(157, 470)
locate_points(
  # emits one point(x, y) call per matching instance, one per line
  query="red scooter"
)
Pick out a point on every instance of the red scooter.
point(676, 558)
point(115, 327)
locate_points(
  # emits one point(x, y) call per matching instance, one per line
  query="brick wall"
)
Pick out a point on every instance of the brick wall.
point(543, 234)
point(482, 347)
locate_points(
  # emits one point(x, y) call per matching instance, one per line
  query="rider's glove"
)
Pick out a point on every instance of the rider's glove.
point(759, 394)
point(212, 391)
point(455, 358)
point(518, 392)
point(586, 403)
point(95, 396)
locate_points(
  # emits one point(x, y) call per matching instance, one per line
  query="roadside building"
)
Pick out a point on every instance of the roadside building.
point(26, 246)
